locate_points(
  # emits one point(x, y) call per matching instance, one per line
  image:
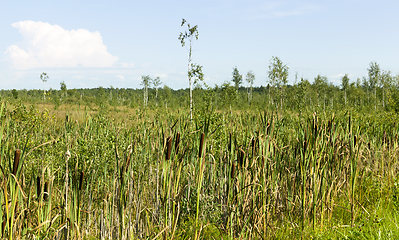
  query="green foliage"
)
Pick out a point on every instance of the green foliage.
point(196, 72)
point(15, 93)
point(44, 77)
point(237, 78)
point(192, 32)
point(345, 82)
point(377, 93)
point(228, 95)
point(278, 73)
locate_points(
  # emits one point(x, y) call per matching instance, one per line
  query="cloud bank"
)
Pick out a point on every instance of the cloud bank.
point(46, 45)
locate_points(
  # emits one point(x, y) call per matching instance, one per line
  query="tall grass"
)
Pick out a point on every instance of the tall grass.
point(246, 175)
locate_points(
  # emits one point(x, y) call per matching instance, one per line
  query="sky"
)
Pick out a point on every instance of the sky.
point(88, 44)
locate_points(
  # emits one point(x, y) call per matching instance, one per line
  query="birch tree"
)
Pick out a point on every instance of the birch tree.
point(278, 76)
point(194, 70)
point(345, 85)
point(320, 83)
point(44, 77)
point(385, 82)
point(145, 82)
point(237, 78)
point(250, 78)
point(156, 82)
point(374, 73)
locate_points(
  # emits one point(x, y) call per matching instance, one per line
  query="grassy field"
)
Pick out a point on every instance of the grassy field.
point(127, 173)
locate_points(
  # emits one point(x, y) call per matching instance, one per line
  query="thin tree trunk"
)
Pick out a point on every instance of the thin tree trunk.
point(251, 92)
point(248, 94)
point(191, 100)
point(190, 82)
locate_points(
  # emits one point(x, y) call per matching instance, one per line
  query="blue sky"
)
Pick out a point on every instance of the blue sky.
point(89, 44)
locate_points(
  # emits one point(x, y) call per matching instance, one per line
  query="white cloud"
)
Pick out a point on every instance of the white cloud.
point(121, 77)
point(47, 45)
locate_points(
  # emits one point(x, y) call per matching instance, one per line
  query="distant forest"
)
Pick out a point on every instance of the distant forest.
point(378, 91)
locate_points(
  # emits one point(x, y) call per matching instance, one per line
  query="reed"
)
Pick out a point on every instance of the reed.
point(242, 175)
point(200, 174)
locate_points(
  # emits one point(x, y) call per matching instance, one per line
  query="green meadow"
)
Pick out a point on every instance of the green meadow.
point(104, 164)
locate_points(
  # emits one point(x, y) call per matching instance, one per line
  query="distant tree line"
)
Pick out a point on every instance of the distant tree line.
point(377, 91)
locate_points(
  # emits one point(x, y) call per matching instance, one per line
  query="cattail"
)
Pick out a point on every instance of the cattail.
point(241, 154)
point(45, 192)
point(168, 147)
point(233, 169)
point(66, 118)
point(201, 144)
point(177, 142)
point(3, 227)
point(368, 145)
point(16, 161)
point(38, 187)
point(82, 174)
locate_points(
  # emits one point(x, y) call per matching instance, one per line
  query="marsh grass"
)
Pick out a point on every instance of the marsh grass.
point(156, 174)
